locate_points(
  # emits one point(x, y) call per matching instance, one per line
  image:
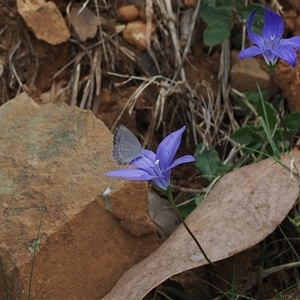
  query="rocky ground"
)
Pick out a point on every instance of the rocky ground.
point(120, 62)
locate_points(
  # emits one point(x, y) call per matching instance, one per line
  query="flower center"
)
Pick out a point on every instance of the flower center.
point(157, 168)
point(271, 43)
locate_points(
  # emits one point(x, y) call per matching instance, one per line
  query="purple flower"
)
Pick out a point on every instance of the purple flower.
point(271, 44)
point(156, 167)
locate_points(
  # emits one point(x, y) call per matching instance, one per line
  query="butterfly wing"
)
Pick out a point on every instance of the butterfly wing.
point(126, 146)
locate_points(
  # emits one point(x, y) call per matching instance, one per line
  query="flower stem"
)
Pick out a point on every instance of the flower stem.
point(276, 104)
point(171, 200)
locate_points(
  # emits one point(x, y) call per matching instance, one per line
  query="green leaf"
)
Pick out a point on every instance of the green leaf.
point(216, 33)
point(281, 140)
point(235, 3)
point(185, 210)
point(270, 138)
point(213, 14)
point(199, 199)
point(249, 134)
point(231, 4)
point(271, 114)
point(292, 121)
point(210, 3)
point(254, 98)
point(245, 12)
point(209, 163)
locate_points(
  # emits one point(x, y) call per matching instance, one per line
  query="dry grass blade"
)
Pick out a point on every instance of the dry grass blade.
point(98, 77)
point(75, 84)
point(83, 6)
point(85, 94)
point(149, 15)
point(188, 37)
point(14, 74)
point(91, 94)
point(101, 31)
point(167, 13)
point(185, 31)
point(277, 6)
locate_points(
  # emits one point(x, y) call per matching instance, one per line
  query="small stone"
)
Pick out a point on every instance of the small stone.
point(189, 3)
point(45, 21)
point(127, 13)
point(135, 34)
point(246, 74)
point(85, 24)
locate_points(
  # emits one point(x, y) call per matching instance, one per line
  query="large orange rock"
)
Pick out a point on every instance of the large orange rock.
point(52, 161)
point(45, 20)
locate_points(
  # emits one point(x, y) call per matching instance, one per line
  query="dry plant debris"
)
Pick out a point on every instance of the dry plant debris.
point(162, 73)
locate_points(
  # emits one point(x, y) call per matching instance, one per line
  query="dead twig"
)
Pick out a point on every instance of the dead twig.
point(149, 14)
point(14, 74)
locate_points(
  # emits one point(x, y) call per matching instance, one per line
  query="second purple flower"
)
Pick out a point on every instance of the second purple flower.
point(271, 44)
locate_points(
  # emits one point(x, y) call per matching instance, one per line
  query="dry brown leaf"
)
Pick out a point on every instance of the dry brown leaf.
point(242, 209)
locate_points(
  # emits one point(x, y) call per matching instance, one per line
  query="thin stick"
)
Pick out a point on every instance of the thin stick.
point(170, 197)
point(34, 253)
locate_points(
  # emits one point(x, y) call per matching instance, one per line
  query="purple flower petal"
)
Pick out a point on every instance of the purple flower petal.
point(147, 157)
point(131, 174)
point(251, 51)
point(162, 182)
point(288, 54)
point(255, 38)
point(149, 154)
point(293, 41)
point(273, 25)
point(147, 163)
point(182, 160)
point(270, 44)
point(168, 148)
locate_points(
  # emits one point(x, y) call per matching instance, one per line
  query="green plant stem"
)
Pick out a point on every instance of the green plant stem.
point(171, 200)
point(275, 101)
point(34, 253)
